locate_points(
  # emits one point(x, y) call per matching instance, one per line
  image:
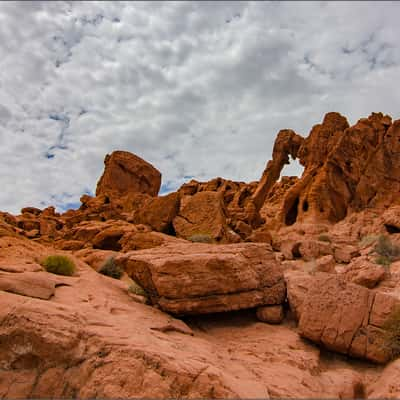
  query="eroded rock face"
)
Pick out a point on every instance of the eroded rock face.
point(286, 144)
point(203, 214)
point(125, 172)
point(346, 169)
point(346, 318)
point(200, 278)
point(158, 212)
point(236, 198)
point(391, 219)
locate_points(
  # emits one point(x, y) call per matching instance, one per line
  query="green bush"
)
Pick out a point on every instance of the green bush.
point(368, 240)
point(392, 333)
point(324, 238)
point(201, 238)
point(60, 265)
point(137, 289)
point(387, 251)
point(383, 260)
point(111, 269)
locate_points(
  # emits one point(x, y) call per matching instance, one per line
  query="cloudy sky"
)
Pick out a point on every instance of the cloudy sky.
point(199, 89)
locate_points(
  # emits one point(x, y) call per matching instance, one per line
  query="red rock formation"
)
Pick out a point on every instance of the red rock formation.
point(158, 212)
point(347, 169)
point(200, 278)
point(241, 215)
point(82, 336)
point(126, 173)
point(286, 144)
point(346, 318)
point(203, 213)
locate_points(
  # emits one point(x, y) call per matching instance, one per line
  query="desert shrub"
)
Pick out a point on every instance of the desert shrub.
point(137, 289)
point(383, 260)
point(324, 238)
point(201, 238)
point(368, 240)
point(111, 269)
point(60, 265)
point(392, 333)
point(385, 248)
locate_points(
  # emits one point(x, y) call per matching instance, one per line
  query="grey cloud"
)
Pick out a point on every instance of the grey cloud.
point(197, 88)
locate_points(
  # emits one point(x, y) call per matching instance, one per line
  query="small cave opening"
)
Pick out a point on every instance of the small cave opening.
point(291, 215)
point(391, 229)
point(305, 205)
point(170, 230)
point(110, 242)
point(296, 250)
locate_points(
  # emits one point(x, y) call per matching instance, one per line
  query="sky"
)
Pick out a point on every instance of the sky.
point(198, 89)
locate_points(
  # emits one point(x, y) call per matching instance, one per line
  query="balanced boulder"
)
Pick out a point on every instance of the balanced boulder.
point(125, 172)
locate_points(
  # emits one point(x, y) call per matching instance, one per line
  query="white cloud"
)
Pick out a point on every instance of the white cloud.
point(196, 88)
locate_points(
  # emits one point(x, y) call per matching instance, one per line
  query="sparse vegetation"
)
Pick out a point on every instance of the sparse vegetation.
point(387, 251)
point(111, 269)
point(392, 333)
point(383, 260)
point(201, 238)
point(368, 240)
point(134, 288)
point(58, 264)
point(324, 238)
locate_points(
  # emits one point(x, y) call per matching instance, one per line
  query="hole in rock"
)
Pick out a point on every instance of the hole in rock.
point(305, 205)
point(26, 361)
point(169, 230)
point(110, 243)
point(392, 229)
point(233, 319)
point(291, 215)
point(294, 168)
point(296, 250)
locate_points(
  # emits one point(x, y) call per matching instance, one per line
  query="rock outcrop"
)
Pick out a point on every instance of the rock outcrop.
point(158, 212)
point(346, 169)
point(347, 318)
point(125, 173)
point(204, 214)
point(200, 278)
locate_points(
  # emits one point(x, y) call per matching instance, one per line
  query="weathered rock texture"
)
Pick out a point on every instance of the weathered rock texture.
point(92, 339)
point(346, 169)
point(204, 214)
point(158, 212)
point(199, 278)
point(346, 318)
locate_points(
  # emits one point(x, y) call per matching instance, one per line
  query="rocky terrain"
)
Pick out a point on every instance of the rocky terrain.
point(288, 287)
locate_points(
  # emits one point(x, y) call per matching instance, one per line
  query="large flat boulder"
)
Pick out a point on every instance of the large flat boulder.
point(197, 278)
